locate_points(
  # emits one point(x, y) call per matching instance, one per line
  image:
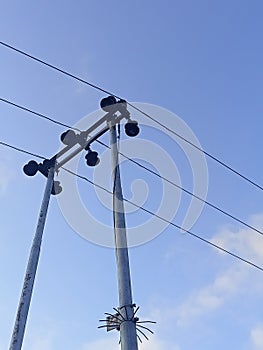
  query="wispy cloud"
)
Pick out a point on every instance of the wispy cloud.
point(210, 297)
point(226, 284)
point(257, 337)
point(246, 242)
point(202, 301)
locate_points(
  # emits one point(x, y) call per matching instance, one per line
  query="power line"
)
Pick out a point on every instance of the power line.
point(169, 222)
point(198, 148)
point(36, 113)
point(137, 163)
point(56, 68)
point(21, 150)
point(192, 194)
point(228, 167)
point(142, 208)
point(131, 160)
point(45, 117)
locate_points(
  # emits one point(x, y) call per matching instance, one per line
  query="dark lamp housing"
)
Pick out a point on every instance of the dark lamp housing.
point(68, 137)
point(107, 102)
point(31, 168)
point(56, 188)
point(92, 158)
point(131, 128)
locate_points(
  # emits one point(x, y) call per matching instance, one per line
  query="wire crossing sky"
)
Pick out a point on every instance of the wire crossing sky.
point(152, 213)
point(198, 60)
point(136, 108)
point(135, 162)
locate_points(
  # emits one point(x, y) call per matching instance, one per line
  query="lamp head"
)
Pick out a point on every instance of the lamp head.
point(68, 137)
point(56, 188)
point(107, 102)
point(131, 128)
point(31, 168)
point(92, 158)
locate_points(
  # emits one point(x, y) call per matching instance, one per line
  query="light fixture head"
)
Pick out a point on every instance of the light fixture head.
point(107, 103)
point(92, 158)
point(56, 188)
point(131, 128)
point(68, 137)
point(31, 168)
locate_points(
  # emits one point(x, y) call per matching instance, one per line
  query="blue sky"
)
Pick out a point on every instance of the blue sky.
point(201, 60)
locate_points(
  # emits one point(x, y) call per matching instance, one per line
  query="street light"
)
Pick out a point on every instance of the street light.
point(68, 137)
point(92, 158)
point(115, 112)
point(131, 128)
point(107, 103)
point(31, 168)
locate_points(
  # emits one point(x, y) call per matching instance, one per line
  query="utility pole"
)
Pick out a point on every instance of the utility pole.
point(128, 335)
point(25, 299)
point(125, 320)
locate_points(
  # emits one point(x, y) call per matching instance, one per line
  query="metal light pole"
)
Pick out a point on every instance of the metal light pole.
point(125, 319)
point(25, 299)
point(128, 335)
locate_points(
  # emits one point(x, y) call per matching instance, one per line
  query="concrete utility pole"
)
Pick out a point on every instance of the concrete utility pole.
point(128, 335)
point(25, 299)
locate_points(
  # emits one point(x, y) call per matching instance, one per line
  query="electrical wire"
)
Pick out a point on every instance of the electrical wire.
point(192, 194)
point(37, 114)
point(138, 164)
point(21, 150)
point(142, 208)
point(55, 68)
point(228, 167)
point(236, 256)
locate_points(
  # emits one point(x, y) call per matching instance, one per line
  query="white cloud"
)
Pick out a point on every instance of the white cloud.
point(257, 337)
point(245, 242)
point(210, 297)
point(226, 284)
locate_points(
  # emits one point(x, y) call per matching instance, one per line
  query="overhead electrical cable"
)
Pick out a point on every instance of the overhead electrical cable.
point(37, 114)
point(140, 165)
point(144, 209)
point(198, 148)
point(192, 194)
point(230, 168)
point(170, 223)
point(55, 68)
point(21, 150)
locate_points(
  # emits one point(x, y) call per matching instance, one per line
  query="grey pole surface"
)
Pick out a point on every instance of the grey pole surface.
point(128, 333)
point(25, 299)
